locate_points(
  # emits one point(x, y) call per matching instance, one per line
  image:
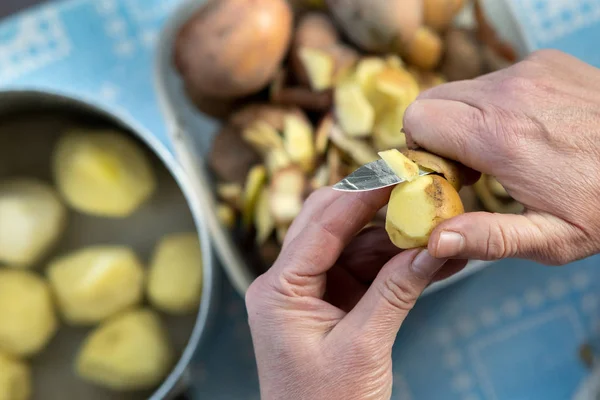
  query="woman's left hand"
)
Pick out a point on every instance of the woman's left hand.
point(325, 316)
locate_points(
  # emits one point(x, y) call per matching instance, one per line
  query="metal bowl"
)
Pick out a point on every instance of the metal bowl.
point(30, 123)
point(192, 134)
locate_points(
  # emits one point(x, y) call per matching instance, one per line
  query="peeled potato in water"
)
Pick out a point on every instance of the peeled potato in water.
point(417, 207)
point(15, 379)
point(102, 173)
point(27, 319)
point(128, 352)
point(95, 283)
point(32, 219)
point(175, 275)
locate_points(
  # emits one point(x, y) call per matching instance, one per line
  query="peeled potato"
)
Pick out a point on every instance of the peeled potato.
point(128, 352)
point(416, 208)
point(27, 319)
point(175, 276)
point(102, 173)
point(93, 284)
point(15, 379)
point(32, 219)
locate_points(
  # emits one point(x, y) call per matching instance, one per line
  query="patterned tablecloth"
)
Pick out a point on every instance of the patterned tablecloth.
point(509, 332)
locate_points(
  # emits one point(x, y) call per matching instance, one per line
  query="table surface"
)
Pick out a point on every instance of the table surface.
point(511, 331)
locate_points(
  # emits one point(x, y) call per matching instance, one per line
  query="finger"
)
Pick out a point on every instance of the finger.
point(449, 128)
point(319, 244)
point(368, 252)
point(487, 236)
point(312, 208)
point(392, 295)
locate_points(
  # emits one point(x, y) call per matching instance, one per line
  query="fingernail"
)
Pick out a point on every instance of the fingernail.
point(425, 266)
point(450, 244)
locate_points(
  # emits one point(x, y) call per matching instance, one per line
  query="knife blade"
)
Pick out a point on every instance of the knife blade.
point(372, 176)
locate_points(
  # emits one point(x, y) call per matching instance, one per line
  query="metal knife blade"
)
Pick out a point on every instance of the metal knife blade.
point(372, 176)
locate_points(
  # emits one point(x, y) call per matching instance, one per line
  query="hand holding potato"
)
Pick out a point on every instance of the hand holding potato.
point(324, 317)
point(533, 126)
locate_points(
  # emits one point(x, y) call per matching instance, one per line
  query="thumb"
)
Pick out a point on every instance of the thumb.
point(487, 236)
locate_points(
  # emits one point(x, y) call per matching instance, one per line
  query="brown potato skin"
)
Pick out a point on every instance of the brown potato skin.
point(463, 59)
point(378, 26)
point(231, 157)
point(233, 48)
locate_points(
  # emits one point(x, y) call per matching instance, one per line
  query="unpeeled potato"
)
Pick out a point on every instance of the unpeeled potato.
point(233, 48)
point(32, 219)
point(378, 25)
point(27, 319)
point(128, 352)
point(416, 208)
point(15, 379)
point(102, 173)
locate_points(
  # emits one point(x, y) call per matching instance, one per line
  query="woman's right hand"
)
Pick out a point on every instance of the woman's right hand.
point(535, 126)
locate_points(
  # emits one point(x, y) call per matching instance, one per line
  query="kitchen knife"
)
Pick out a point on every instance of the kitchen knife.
point(372, 176)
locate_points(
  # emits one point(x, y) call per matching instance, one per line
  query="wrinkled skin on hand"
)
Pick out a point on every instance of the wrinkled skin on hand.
point(535, 127)
point(325, 316)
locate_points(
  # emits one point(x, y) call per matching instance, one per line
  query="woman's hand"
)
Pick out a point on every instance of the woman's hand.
point(536, 127)
point(325, 316)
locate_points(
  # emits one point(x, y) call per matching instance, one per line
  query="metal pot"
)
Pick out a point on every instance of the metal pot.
point(30, 122)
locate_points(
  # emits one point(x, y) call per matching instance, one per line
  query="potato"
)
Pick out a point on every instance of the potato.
point(15, 379)
point(95, 283)
point(378, 25)
point(233, 48)
point(439, 14)
point(32, 220)
point(425, 49)
point(128, 352)
point(463, 59)
point(102, 173)
point(27, 319)
point(416, 208)
point(175, 275)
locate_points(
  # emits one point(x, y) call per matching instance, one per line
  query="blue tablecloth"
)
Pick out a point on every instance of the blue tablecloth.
point(509, 332)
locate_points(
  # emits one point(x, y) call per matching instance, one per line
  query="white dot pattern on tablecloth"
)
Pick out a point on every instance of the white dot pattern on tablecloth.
point(31, 43)
point(556, 18)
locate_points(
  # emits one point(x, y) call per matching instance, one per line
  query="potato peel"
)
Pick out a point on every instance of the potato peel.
point(263, 220)
point(353, 111)
point(254, 184)
point(299, 142)
point(285, 194)
point(402, 166)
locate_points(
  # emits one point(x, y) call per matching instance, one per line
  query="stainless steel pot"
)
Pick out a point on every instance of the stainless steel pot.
point(30, 122)
point(192, 134)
